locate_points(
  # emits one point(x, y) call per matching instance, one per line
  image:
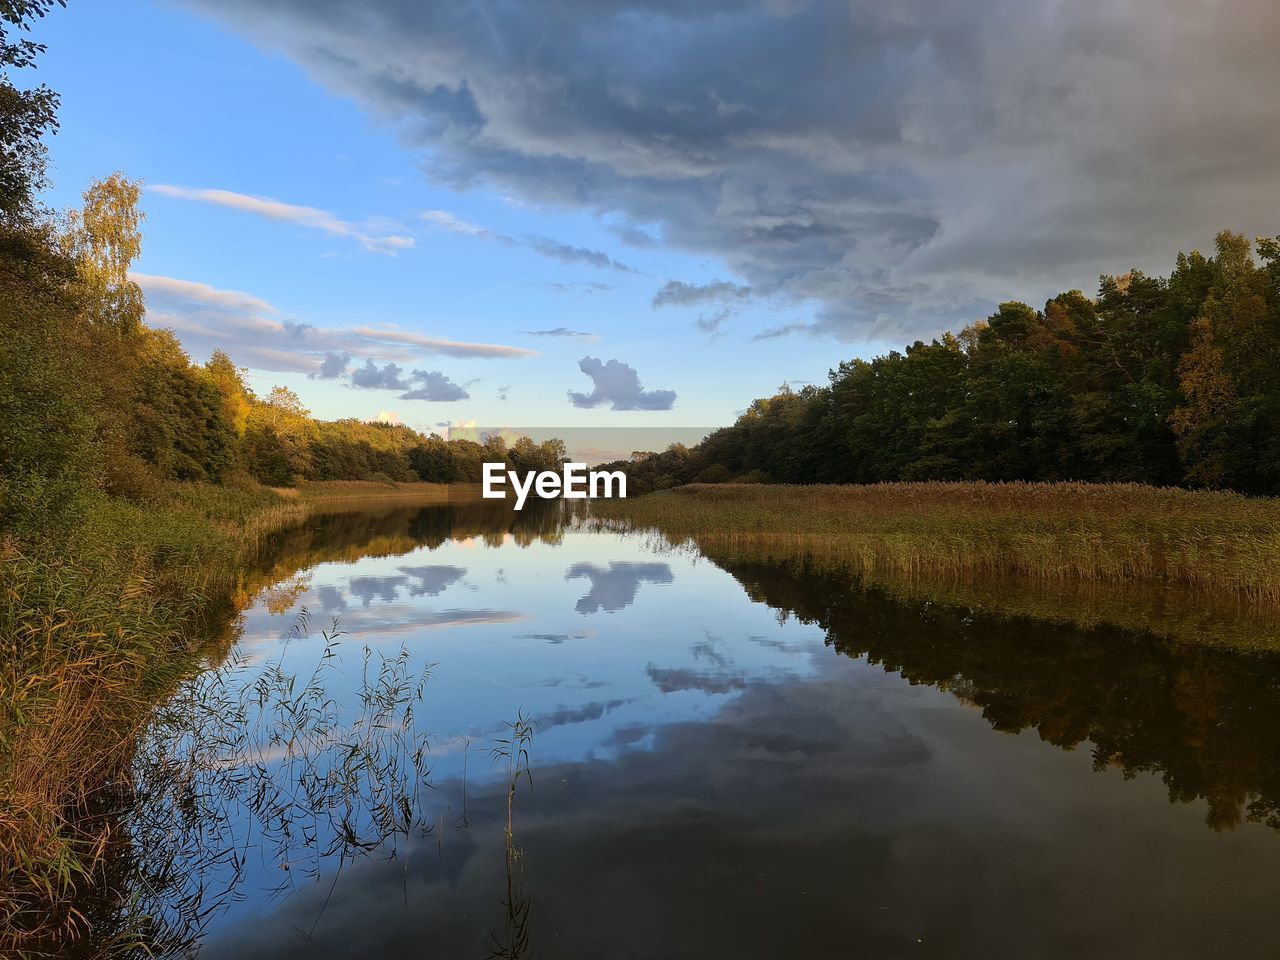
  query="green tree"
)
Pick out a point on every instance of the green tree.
point(1227, 425)
point(25, 115)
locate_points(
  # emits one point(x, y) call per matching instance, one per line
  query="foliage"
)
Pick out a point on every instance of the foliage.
point(1221, 544)
point(95, 400)
point(1160, 381)
point(25, 115)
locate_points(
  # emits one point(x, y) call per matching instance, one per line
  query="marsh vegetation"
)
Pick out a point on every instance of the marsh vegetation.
point(1060, 534)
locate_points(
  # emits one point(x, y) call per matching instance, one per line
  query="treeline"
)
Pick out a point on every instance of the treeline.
point(94, 402)
point(1162, 381)
point(92, 399)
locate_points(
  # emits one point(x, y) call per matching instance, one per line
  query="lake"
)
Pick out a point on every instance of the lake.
point(693, 759)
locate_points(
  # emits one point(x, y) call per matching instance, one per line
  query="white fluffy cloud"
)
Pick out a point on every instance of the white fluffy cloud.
point(618, 385)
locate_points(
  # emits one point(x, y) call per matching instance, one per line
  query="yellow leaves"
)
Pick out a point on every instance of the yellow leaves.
point(104, 238)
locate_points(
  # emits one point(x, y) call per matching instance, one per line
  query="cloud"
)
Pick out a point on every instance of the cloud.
point(618, 384)
point(435, 386)
point(713, 324)
point(561, 332)
point(675, 679)
point(570, 254)
point(248, 328)
point(333, 366)
point(371, 377)
point(189, 291)
point(431, 581)
point(586, 713)
point(545, 246)
point(257, 334)
point(309, 217)
point(633, 236)
point(555, 638)
point(503, 391)
point(439, 345)
point(448, 222)
point(677, 293)
point(615, 586)
point(891, 167)
point(784, 330)
point(418, 385)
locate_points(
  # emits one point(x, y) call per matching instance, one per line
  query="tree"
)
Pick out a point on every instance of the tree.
point(236, 398)
point(105, 238)
point(1227, 425)
point(1153, 381)
point(25, 115)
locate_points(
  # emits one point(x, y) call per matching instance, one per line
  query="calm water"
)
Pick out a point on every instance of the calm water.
point(727, 762)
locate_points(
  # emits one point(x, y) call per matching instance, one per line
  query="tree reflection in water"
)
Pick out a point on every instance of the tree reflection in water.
point(1205, 719)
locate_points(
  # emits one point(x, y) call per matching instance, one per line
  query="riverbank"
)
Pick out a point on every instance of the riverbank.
point(1195, 566)
point(98, 623)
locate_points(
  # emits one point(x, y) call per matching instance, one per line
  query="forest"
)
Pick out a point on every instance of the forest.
point(94, 401)
point(1165, 381)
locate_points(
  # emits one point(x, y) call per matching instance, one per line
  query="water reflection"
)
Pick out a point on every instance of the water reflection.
point(806, 821)
point(752, 761)
point(615, 586)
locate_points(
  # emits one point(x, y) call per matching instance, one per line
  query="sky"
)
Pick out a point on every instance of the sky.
point(645, 214)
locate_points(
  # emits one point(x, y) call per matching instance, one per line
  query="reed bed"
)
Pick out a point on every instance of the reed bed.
point(1044, 533)
point(97, 626)
point(336, 491)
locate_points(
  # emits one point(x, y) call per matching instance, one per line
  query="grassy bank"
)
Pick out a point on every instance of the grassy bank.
point(96, 625)
point(1196, 565)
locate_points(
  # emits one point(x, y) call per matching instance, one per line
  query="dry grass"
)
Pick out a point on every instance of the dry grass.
point(331, 491)
point(1218, 544)
point(96, 627)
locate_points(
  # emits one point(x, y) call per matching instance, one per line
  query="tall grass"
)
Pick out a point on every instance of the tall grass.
point(1061, 534)
point(97, 625)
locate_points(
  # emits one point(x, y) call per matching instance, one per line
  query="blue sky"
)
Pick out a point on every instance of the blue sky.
point(707, 199)
point(171, 98)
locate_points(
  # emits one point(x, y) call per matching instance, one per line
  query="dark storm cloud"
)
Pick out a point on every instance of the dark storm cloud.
point(677, 293)
point(618, 385)
point(897, 166)
point(633, 235)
